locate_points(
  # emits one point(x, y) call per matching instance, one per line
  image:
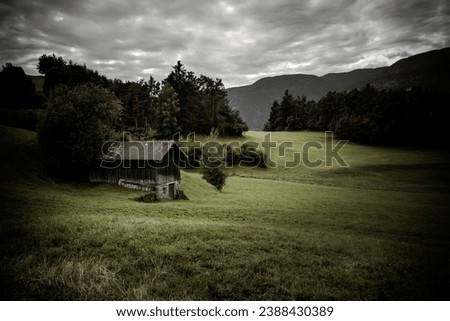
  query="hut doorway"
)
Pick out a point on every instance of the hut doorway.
point(172, 191)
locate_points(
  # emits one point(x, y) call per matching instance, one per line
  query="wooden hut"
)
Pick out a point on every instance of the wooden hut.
point(152, 166)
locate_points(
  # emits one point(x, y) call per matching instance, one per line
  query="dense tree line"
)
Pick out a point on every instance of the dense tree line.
point(414, 116)
point(183, 102)
point(203, 104)
point(291, 114)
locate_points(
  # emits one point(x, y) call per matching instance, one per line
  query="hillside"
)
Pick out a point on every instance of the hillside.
point(375, 231)
point(430, 69)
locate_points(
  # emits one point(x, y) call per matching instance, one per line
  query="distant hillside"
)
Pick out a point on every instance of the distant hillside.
point(430, 69)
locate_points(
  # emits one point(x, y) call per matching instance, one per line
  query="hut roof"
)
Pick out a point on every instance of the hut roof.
point(140, 150)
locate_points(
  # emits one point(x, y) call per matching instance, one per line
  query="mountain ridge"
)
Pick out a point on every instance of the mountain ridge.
point(428, 69)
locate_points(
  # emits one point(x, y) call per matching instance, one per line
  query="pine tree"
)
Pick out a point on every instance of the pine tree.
point(167, 112)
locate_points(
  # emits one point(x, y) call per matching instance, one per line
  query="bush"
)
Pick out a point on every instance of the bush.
point(232, 155)
point(250, 156)
point(215, 176)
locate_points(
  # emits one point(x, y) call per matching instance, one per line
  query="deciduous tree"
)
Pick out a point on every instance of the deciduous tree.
point(74, 125)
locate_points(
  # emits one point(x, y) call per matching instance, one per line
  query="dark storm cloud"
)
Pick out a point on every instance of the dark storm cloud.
point(238, 41)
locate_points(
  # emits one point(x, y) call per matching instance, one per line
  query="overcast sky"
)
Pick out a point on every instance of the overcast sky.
point(238, 41)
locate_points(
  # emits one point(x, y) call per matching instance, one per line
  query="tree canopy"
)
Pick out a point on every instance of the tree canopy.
point(203, 104)
point(47, 62)
point(74, 125)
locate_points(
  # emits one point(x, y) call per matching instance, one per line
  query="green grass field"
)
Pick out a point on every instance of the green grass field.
point(377, 230)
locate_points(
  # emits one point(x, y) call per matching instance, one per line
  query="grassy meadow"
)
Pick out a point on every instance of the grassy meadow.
point(377, 230)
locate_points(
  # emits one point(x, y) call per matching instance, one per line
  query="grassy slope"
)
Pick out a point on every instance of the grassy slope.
point(378, 230)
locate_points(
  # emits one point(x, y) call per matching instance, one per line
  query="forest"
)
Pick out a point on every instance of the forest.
point(404, 117)
point(182, 102)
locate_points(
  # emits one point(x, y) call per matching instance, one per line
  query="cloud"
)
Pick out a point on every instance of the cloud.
point(238, 41)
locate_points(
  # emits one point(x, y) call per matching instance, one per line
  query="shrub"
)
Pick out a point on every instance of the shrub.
point(215, 176)
point(250, 156)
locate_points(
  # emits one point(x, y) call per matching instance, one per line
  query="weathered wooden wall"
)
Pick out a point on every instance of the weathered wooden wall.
point(142, 175)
